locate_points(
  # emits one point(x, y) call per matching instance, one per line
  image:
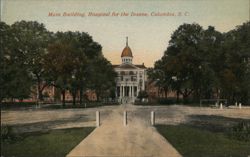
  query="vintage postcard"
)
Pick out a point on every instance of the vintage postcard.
point(125, 78)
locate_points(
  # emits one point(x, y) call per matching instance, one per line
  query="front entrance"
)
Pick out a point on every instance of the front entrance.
point(126, 94)
point(127, 100)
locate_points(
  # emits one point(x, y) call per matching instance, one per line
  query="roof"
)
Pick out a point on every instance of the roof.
point(129, 66)
point(142, 66)
point(126, 52)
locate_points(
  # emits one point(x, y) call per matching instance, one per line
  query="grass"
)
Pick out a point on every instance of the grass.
point(195, 142)
point(55, 143)
point(88, 105)
point(69, 105)
point(9, 105)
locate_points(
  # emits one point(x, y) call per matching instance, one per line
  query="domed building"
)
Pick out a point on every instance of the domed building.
point(131, 77)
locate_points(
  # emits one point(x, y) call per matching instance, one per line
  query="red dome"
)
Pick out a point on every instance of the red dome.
point(127, 52)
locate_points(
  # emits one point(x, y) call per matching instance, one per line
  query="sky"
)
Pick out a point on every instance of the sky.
point(148, 35)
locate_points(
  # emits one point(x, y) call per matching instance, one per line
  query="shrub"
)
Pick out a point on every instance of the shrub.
point(6, 132)
point(8, 105)
point(241, 131)
point(166, 101)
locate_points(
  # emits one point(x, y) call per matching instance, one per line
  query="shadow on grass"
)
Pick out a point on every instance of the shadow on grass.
point(47, 125)
point(214, 123)
point(84, 105)
point(54, 143)
point(206, 136)
point(194, 142)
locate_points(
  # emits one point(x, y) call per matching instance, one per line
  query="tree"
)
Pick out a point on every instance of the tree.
point(71, 62)
point(142, 94)
point(182, 59)
point(59, 64)
point(102, 77)
point(86, 52)
point(15, 79)
point(32, 41)
point(211, 64)
point(203, 63)
point(234, 76)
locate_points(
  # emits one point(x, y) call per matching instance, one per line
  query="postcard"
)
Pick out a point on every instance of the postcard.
point(134, 78)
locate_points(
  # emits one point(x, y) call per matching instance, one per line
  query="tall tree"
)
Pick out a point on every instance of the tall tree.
point(235, 73)
point(32, 42)
point(59, 65)
point(102, 77)
point(206, 62)
point(15, 81)
point(69, 62)
point(183, 59)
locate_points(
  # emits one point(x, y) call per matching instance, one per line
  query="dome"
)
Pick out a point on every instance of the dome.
point(127, 52)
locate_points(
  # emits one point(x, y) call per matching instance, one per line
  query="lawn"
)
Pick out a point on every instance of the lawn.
point(195, 142)
point(84, 105)
point(55, 143)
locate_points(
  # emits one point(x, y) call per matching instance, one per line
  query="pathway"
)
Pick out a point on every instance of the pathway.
point(112, 139)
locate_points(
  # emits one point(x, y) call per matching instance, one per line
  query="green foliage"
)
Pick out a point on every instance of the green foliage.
point(11, 105)
point(67, 60)
point(240, 132)
point(25, 44)
point(75, 63)
point(6, 132)
point(142, 94)
point(167, 101)
point(206, 63)
point(102, 77)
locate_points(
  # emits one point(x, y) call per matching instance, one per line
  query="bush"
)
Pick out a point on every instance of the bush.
point(167, 101)
point(7, 133)
point(9, 105)
point(241, 131)
point(142, 94)
point(143, 103)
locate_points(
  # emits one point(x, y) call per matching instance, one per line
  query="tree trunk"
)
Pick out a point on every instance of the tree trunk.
point(185, 96)
point(97, 96)
point(165, 92)
point(39, 88)
point(40, 95)
point(177, 96)
point(63, 94)
point(81, 94)
point(74, 97)
point(158, 92)
point(196, 95)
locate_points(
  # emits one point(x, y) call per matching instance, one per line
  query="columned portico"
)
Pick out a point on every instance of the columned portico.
point(126, 91)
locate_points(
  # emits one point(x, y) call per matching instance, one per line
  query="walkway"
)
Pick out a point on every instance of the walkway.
point(112, 139)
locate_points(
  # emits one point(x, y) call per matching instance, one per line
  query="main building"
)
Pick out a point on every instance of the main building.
point(131, 77)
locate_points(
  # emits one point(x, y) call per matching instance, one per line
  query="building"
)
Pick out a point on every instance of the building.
point(131, 78)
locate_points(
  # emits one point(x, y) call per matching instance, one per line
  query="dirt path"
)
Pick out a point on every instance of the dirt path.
point(40, 119)
point(112, 138)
